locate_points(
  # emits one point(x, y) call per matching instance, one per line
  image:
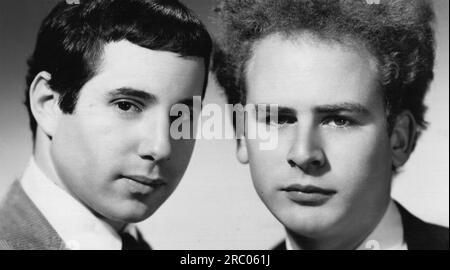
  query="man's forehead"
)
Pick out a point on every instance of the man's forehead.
point(321, 71)
point(297, 48)
point(125, 53)
point(124, 58)
point(128, 70)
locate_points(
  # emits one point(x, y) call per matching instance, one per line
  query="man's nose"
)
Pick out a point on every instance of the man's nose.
point(155, 143)
point(306, 151)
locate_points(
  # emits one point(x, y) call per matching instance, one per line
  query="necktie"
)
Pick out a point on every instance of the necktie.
point(131, 243)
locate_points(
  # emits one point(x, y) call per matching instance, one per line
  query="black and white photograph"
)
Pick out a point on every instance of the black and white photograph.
point(232, 125)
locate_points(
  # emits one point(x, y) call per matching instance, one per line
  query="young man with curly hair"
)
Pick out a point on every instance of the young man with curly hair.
point(349, 79)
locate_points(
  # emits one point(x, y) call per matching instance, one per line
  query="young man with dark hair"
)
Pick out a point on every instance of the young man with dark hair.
point(101, 83)
point(349, 79)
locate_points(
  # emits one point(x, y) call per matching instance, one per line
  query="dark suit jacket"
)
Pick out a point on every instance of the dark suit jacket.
point(417, 234)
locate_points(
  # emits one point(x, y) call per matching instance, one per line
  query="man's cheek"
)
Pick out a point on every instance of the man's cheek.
point(374, 154)
point(106, 134)
point(351, 149)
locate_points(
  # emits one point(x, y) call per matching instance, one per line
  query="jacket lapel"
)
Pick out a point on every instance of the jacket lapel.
point(420, 235)
point(22, 225)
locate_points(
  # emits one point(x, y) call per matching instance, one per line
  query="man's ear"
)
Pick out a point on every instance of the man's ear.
point(402, 138)
point(44, 103)
point(241, 151)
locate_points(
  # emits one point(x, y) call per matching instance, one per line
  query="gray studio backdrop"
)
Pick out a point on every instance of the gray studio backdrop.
point(215, 206)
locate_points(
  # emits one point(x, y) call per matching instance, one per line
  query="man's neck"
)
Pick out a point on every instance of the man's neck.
point(43, 159)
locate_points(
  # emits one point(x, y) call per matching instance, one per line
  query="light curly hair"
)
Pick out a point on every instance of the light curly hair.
point(398, 33)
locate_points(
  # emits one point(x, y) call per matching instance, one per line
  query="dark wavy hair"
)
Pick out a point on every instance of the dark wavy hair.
point(398, 33)
point(72, 37)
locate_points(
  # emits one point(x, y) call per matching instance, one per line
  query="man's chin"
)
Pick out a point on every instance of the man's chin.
point(310, 226)
point(130, 214)
point(309, 230)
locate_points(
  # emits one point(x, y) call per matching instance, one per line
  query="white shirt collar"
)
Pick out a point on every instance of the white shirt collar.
point(388, 235)
point(78, 227)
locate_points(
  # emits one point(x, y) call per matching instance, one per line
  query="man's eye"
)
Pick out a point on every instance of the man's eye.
point(280, 120)
point(339, 122)
point(126, 106)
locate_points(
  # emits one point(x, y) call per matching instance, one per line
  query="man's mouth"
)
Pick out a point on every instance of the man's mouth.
point(309, 189)
point(308, 195)
point(151, 182)
point(143, 184)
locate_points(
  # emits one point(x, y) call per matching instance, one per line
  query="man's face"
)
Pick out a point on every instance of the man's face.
point(114, 153)
point(331, 169)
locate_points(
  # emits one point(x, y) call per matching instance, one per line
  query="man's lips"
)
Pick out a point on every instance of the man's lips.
point(147, 181)
point(308, 195)
point(308, 189)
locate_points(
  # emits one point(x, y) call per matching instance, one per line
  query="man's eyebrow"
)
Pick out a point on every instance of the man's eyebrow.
point(342, 107)
point(277, 108)
point(131, 92)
